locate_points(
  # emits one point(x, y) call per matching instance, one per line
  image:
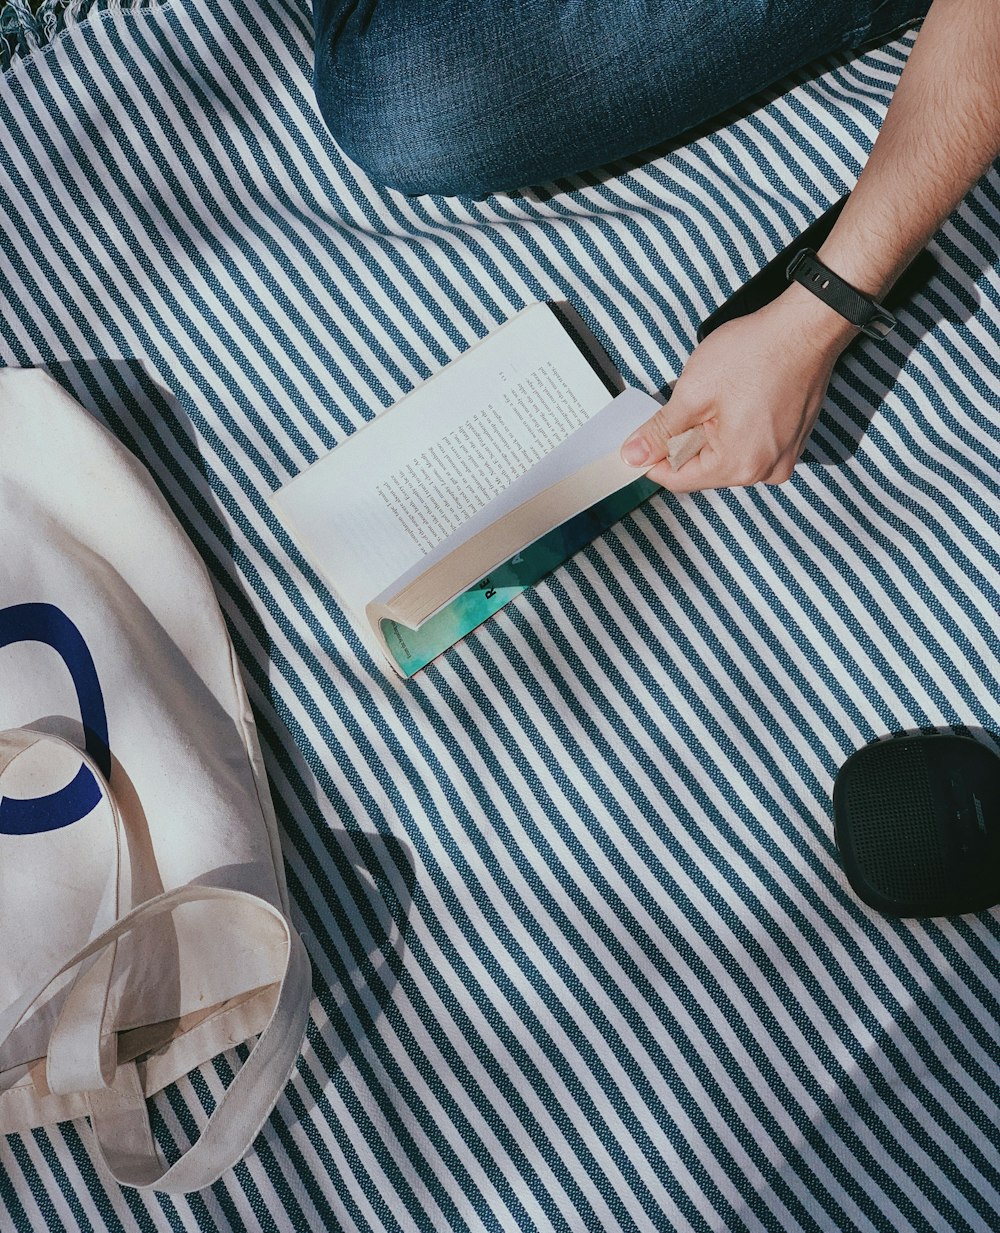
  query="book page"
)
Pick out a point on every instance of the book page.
point(460, 472)
point(542, 492)
point(385, 498)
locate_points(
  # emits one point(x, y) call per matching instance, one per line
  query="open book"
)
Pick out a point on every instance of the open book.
point(472, 487)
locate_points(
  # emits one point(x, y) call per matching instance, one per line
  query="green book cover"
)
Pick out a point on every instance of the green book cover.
point(413, 649)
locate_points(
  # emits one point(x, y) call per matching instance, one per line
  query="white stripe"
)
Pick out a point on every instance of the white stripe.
point(389, 758)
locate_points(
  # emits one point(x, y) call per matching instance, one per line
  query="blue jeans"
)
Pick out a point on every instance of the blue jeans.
point(475, 96)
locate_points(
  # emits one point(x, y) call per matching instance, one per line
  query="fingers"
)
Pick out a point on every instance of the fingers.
point(683, 447)
point(697, 473)
point(647, 444)
point(713, 467)
point(697, 441)
point(675, 433)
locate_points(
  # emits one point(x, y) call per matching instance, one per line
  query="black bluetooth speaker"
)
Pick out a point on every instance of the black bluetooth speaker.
point(917, 822)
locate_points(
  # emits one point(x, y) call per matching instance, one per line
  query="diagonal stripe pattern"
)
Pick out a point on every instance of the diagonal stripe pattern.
point(584, 955)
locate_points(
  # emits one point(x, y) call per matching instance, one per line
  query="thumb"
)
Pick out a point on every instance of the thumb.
point(659, 437)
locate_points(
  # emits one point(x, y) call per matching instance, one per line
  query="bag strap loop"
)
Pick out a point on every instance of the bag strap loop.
point(118, 1113)
point(79, 1043)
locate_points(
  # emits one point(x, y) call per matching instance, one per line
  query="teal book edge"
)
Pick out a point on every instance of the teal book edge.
point(413, 649)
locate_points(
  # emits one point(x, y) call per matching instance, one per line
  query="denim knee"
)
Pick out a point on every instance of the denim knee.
point(477, 96)
point(402, 100)
point(470, 97)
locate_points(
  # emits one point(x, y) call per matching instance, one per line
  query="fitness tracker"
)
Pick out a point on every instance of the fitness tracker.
point(867, 314)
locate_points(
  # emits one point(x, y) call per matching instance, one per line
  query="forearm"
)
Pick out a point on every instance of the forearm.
point(751, 391)
point(941, 132)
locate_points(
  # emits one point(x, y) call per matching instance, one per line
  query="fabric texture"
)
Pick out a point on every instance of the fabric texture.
point(476, 96)
point(585, 957)
point(29, 26)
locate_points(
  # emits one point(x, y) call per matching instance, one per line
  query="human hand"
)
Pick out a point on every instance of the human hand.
point(753, 388)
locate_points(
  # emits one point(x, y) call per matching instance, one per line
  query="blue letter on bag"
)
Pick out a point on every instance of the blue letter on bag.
point(47, 624)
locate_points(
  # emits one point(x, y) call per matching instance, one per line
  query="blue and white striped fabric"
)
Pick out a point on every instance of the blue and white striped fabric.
point(584, 955)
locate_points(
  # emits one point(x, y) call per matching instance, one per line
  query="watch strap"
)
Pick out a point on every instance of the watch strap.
point(861, 310)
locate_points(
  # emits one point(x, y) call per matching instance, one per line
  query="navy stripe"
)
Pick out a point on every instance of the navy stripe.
point(583, 953)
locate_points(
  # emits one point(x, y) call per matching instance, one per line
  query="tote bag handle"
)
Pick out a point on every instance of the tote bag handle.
point(118, 1114)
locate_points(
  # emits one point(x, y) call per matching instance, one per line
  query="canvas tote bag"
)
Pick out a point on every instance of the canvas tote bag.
point(143, 911)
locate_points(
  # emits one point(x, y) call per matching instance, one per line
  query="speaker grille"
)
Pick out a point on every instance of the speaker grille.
point(894, 831)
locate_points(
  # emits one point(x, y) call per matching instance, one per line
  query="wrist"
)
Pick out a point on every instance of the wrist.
point(863, 311)
point(868, 273)
point(808, 318)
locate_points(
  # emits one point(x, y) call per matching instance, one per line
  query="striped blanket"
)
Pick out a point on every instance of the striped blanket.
point(584, 955)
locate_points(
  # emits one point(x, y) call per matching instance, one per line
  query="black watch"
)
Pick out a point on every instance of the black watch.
point(867, 314)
